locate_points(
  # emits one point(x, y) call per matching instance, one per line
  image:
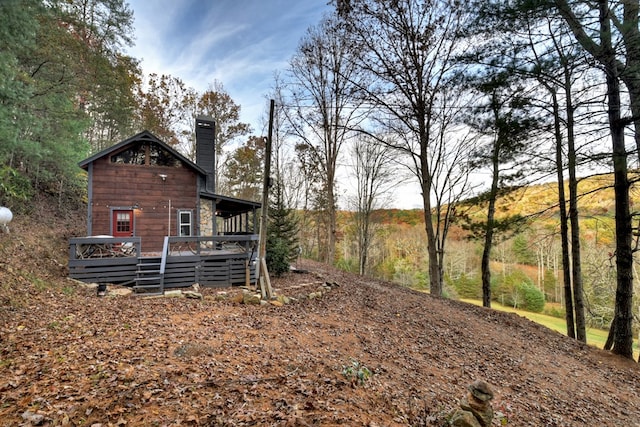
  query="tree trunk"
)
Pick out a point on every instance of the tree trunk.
point(605, 54)
point(564, 228)
point(435, 278)
point(331, 231)
point(331, 151)
point(365, 225)
point(489, 227)
point(578, 297)
point(630, 71)
point(623, 336)
point(623, 341)
point(611, 336)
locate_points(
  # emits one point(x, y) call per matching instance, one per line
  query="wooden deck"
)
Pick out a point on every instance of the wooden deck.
point(213, 261)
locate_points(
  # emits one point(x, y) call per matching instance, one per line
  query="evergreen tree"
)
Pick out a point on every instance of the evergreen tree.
point(546, 53)
point(608, 31)
point(282, 240)
point(104, 77)
point(40, 122)
point(54, 59)
point(18, 28)
point(503, 118)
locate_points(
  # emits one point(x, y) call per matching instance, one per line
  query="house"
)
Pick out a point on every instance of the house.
point(150, 205)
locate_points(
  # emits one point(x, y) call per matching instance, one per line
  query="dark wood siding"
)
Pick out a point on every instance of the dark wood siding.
point(125, 185)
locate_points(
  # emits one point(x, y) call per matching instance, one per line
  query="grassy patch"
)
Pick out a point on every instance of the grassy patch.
point(595, 337)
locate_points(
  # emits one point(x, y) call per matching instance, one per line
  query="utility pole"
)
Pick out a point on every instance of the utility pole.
point(263, 274)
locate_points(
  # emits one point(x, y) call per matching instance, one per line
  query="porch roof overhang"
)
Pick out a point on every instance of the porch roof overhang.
point(227, 207)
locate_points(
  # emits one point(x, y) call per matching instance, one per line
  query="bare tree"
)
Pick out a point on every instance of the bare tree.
point(408, 47)
point(285, 167)
point(218, 104)
point(323, 80)
point(294, 169)
point(375, 173)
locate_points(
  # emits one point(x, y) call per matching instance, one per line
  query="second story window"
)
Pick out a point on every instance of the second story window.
point(146, 153)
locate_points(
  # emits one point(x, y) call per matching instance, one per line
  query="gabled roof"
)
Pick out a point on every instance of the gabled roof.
point(145, 135)
point(227, 206)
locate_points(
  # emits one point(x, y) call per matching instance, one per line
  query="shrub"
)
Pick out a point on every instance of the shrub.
point(15, 189)
point(518, 291)
point(350, 265)
point(421, 280)
point(277, 256)
point(467, 286)
point(404, 272)
point(522, 251)
point(506, 288)
point(532, 297)
point(385, 269)
point(555, 310)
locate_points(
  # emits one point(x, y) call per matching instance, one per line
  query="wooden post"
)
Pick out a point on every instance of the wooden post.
point(247, 274)
point(169, 226)
point(265, 281)
point(263, 274)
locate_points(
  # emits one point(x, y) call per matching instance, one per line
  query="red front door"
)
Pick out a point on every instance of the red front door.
point(122, 223)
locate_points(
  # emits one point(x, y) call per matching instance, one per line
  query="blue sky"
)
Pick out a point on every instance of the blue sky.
point(240, 43)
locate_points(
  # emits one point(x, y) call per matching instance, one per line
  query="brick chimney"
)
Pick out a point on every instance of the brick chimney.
point(206, 150)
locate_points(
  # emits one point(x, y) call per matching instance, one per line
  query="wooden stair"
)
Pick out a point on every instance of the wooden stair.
point(149, 277)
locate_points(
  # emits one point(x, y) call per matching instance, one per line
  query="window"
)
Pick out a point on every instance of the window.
point(161, 157)
point(123, 222)
point(184, 223)
point(143, 153)
point(135, 155)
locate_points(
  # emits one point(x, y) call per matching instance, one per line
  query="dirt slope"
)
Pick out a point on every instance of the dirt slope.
point(70, 358)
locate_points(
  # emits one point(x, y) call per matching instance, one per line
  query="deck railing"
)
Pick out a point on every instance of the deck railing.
point(209, 260)
point(103, 247)
point(104, 259)
point(192, 245)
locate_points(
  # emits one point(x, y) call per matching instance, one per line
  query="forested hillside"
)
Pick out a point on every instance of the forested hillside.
point(529, 253)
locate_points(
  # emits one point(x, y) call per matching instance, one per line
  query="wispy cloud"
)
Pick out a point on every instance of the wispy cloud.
point(240, 43)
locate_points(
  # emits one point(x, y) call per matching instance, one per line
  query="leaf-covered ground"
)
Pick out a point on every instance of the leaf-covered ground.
point(69, 358)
